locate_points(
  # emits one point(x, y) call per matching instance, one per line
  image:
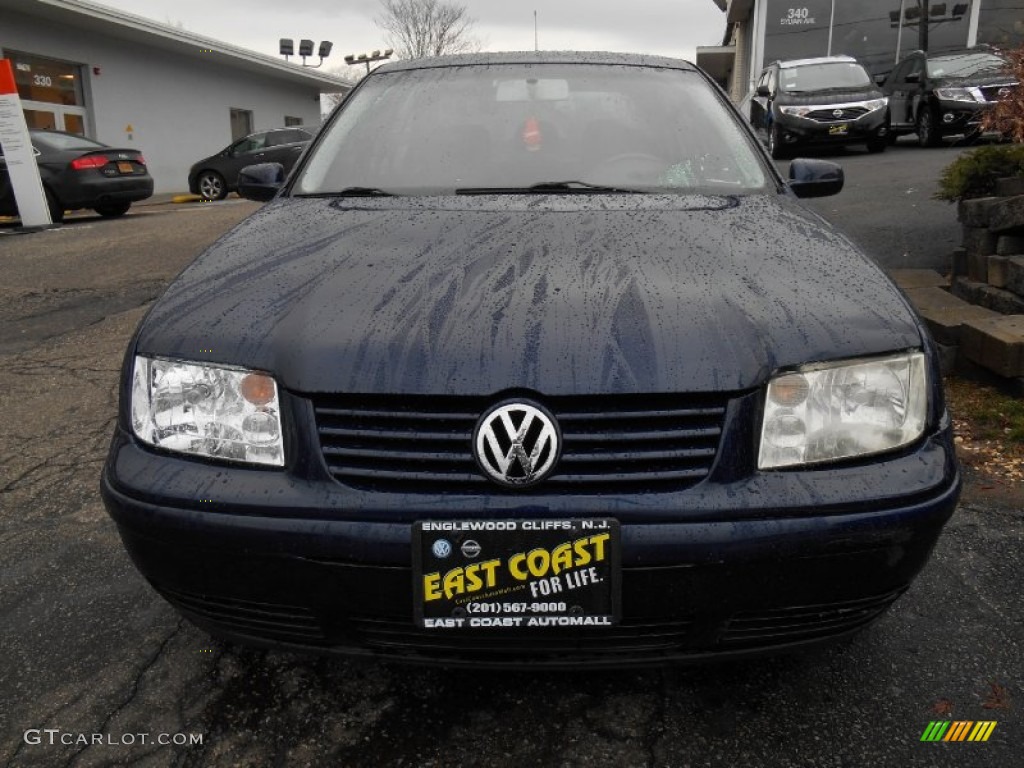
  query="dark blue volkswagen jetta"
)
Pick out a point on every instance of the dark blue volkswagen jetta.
point(533, 359)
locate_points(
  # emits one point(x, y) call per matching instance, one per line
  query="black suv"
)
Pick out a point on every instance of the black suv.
point(213, 177)
point(935, 96)
point(817, 101)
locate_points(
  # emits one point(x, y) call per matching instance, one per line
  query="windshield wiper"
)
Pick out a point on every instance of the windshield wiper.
point(549, 186)
point(353, 192)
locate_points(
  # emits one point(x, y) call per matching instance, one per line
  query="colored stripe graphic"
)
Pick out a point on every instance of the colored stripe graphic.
point(982, 731)
point(935, 730)
point(959, 730)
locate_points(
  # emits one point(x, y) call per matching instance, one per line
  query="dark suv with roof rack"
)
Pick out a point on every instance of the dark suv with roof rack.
point(829, 100)
point(940, 95)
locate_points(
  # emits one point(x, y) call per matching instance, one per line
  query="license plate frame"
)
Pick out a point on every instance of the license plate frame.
point(469, 574)
point(842, 129)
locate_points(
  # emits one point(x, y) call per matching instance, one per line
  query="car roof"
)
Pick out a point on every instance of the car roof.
point(963, 52)
point(538, 57)
point(820, 60)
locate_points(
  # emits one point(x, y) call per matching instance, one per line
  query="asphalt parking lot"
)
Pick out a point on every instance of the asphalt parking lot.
point(91, 650)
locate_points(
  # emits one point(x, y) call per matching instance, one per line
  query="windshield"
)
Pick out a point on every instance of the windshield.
point(818, 77)
point(507, 128)
point(964, 65)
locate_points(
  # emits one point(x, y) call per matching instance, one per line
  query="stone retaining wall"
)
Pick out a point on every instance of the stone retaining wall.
point(987, 323)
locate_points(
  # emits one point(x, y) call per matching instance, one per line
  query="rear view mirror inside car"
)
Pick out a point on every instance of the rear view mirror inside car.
point(533, 89)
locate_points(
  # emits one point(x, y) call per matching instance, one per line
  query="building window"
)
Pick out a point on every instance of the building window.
point(50, 92)
point(241, 123)
point(868, 30)
point(47, 80)
point(290, 121)
point(1001, 23)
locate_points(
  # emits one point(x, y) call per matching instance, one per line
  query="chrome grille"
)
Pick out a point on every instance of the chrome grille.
point(991, 92)
point(610, 444)
point(828, 114)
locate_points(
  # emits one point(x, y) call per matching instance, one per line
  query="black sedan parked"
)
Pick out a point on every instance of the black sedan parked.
point(534, 359)
point(939, 95)
point(81, 173)
point(215, 176)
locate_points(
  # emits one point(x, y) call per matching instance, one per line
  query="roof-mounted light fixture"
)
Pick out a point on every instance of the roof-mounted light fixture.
point(369, 58)
point(305, 49)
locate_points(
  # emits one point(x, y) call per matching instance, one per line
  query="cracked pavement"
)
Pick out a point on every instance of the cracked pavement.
point(89, 648)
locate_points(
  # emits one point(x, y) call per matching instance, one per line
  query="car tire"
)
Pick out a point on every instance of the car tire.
point(112, 210)
point(877, 144)
point(928, 132)
point(775, 147)
point(55, 206)
point(211, 186)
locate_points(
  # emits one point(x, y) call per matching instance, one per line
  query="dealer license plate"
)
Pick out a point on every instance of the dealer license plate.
point(125, 168)
point(516, 574)
point(838, 130)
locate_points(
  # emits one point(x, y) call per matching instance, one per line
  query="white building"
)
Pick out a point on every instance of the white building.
point(130, 82)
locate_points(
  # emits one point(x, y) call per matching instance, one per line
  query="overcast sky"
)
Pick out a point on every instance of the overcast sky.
point(665, 27)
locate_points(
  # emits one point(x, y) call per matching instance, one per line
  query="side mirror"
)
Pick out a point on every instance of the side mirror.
point(815, 178)
point(880, 79)
point(762, 90)
point(260, 182)
point(913, 77)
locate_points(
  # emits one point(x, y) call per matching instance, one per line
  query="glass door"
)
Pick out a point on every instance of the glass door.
point(53, 117)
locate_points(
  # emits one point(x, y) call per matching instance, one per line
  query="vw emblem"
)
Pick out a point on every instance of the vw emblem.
point(441, 549)
point(516, 444)
point(837, 113)
point(1004, 92)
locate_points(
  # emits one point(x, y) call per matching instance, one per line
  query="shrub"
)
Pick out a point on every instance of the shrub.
point(974, 173)
point(1007, 115)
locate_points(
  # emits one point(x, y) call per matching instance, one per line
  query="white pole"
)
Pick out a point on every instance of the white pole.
point(899, 35)
point(536, 46)
point(972, 28)
point(831, 20)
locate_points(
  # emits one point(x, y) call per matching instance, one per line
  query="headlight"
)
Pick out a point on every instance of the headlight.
point(207, 410)
point(874, 104)
point(830, 412)
point(797, 111)
point(955, 94)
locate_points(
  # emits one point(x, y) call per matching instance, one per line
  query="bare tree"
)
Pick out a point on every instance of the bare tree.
point(351, 75)
point(418, 28)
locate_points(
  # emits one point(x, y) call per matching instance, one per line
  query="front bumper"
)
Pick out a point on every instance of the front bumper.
point(796, 130)
point(730, 567)
point(960, 116)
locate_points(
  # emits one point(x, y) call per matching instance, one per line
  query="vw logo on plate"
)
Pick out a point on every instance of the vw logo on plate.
point(517, 444)
point(441, 549)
